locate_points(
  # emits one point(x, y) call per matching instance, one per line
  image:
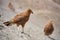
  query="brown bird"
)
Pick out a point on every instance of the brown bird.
point(48, 30)
point(10, 6)
point(20, 19)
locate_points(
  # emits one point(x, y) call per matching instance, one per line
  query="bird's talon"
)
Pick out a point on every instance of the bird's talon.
point(22, 32)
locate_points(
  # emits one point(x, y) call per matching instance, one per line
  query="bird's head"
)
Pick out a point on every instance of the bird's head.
point(50, 21)
point(29, 10)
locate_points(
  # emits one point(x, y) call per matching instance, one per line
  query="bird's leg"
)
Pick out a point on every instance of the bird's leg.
point(18, 30)
point(22, 30)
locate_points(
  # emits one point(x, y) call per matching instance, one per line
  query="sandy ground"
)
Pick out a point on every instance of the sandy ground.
point(43, 11)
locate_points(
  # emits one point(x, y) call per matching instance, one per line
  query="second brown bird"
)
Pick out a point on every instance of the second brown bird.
point(48, 30)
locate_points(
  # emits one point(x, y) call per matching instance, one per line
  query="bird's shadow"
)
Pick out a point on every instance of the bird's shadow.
point(51, 38)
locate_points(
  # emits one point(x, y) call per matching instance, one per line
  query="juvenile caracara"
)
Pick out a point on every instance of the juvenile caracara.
point(48, 30)
point(20, 19)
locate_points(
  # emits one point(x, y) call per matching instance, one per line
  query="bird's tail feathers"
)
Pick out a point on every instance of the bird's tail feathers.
point(7, 23)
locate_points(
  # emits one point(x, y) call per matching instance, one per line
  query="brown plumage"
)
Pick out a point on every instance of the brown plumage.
point(10, 6)
point(48, 30)
point(20, 19)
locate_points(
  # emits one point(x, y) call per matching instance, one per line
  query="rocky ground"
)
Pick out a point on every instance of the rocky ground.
point(43, 11)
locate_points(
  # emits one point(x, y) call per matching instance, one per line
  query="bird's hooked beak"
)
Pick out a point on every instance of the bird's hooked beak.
point(32, 12)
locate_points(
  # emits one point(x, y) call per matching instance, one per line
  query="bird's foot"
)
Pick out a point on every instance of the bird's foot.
point(22, 32)
point(25, 34)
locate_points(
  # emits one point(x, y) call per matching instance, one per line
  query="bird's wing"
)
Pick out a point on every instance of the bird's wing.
point(19, 18)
